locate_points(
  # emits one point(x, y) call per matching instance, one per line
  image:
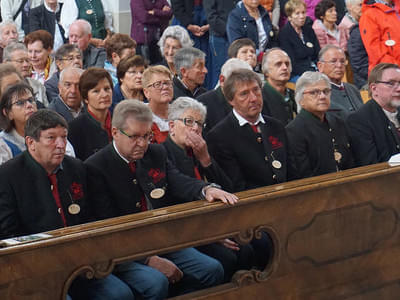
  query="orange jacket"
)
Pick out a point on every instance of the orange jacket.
point(380, 33)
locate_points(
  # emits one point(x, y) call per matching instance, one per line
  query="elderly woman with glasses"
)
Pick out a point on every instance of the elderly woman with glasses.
point(129, 73)
point(318, 141)
point(157, 88)
point(187, 150)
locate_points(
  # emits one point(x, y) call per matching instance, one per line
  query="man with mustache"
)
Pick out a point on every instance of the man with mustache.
point(43, 189)
point(345, 97)
point(375, 127)
point(278, 99)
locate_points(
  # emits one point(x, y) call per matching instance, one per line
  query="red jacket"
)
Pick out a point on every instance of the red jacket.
point(379, 28)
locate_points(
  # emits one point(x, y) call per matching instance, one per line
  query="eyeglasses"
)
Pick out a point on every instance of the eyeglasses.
point(22, 60)
point(135, 138)
point(160, 84)
point(189, 122)
point(341, 62)
point(317, 92)
point(23, 102)
point(392, 84)
point(71, 58)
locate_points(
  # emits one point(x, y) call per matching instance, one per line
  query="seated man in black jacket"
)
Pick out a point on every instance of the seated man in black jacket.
point(129, 176)
point(374, 128)
point(42, 189)
point(278, 100)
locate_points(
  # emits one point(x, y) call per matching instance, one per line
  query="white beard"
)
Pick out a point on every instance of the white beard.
point(395, 103)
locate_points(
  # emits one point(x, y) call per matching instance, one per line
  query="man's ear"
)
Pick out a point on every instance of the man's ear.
point(30, 143)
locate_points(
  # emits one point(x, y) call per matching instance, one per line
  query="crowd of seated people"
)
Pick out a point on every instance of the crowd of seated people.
point(221, 101)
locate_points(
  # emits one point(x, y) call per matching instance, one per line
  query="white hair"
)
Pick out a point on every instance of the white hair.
point(178, 33)
point(234, 64)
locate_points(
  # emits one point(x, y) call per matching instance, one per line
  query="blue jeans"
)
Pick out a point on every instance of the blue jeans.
point(108, 288)
point(219, 54)
point(146, 282)
point(199, 271)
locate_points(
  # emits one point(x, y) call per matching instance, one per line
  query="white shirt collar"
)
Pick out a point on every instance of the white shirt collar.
point(243, 121)
point(116, 150)
point(49, 9)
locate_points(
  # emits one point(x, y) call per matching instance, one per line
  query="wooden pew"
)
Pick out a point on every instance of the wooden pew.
point(335, 236)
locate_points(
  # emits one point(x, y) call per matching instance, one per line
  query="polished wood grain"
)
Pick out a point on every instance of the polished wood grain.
point(335, 236)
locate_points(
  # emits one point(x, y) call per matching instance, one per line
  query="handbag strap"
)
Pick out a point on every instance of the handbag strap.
point(19, 9)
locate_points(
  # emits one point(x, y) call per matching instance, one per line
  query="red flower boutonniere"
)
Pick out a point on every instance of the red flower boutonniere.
point(275, 142)
point(156, 174)
point(76, 190)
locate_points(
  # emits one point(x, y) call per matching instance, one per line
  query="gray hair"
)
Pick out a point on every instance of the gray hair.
point(66, 49)
point(326, 49)
point(308, 78)
point(185, 58)
point(70, 69)
point(178, 33)
point(10, 48)
point(351, 2)
point(131, 108)
point(181, 104)
point(7, 23)
point(233, 64)
point(84, 25)
point(265, 61)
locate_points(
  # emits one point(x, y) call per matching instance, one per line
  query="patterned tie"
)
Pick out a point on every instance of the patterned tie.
point(56, 195)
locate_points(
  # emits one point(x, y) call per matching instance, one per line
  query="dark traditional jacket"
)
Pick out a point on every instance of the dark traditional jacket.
point(275, 105)
point(27, 204)
point(86, 136)
point(183, 11)
point(51, 86)
point(217, 12)
point(312, 144)
point(186, 164)
point(181, 91)
point(374, 138)
point(345, 101)
point(301, 54)
point(59, 106)
point(217, 107)
point(358, 57)
point(41, 18)
point(119, 191)
point(94, 57)
point(241, 25)
point(247, 157)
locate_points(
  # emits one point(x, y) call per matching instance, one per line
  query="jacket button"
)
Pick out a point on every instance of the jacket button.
point(389, 127)
point(274, 176)
point(138, 205)
point(134, 181)
point(266, 158)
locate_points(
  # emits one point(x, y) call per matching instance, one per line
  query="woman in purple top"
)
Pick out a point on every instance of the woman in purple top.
point(149, 19)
